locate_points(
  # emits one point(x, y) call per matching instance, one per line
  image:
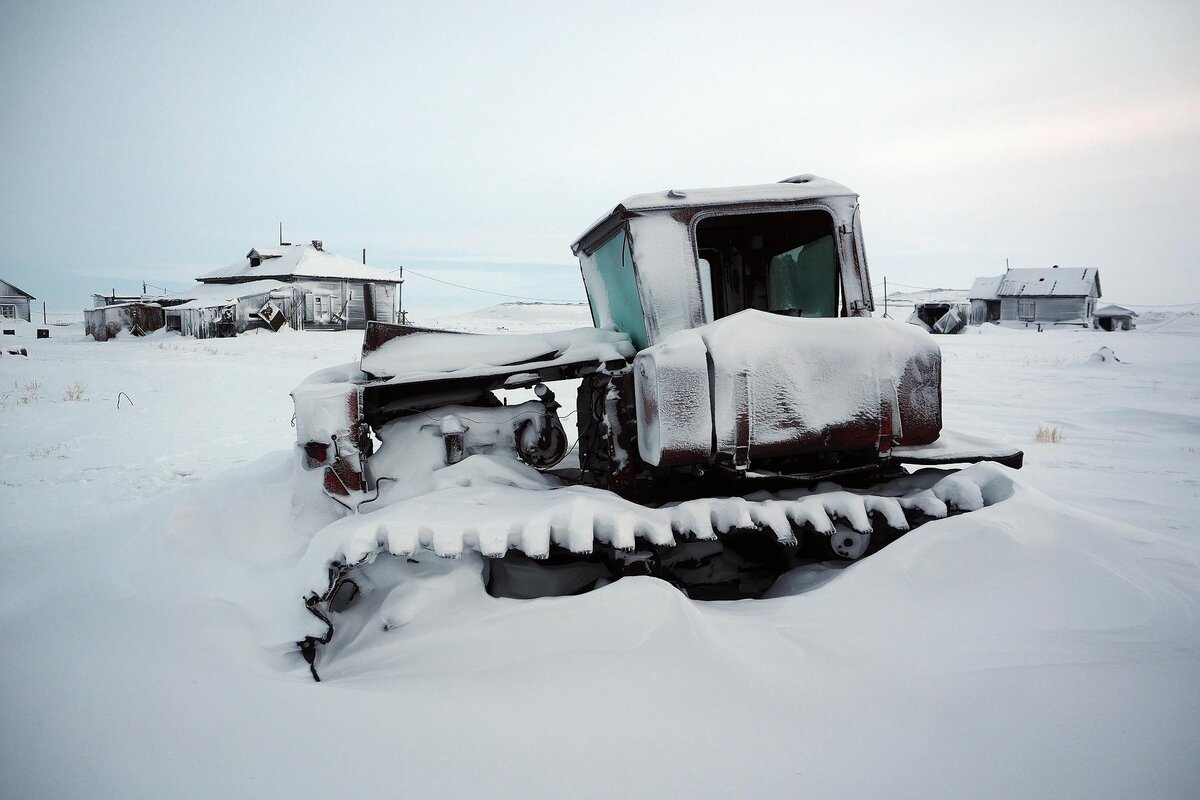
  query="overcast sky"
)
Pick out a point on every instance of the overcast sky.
point(156, 141)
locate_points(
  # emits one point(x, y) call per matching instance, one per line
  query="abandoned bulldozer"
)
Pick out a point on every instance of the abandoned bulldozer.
point(736, 404)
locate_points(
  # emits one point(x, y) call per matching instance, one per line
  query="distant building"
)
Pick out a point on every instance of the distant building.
point(985, 304)
point(14, 302)
point(221, 310)
point(300, 285)
point(105, 322)
point(1115, 318)
point(332, 292)
point(1043, 296)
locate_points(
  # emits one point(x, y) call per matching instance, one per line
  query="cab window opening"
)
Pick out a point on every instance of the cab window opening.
point(781, 262)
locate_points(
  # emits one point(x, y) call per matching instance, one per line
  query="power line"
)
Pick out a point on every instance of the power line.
point(473, 289)
point(1175, 318)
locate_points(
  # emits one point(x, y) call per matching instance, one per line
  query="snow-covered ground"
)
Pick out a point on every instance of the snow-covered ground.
point(1045, 646)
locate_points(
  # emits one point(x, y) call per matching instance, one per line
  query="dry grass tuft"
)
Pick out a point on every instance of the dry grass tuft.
point(31, 393)
point(1048, 434)
point(75, 392)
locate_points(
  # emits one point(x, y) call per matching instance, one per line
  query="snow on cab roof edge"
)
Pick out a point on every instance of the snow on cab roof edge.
point(794, 189)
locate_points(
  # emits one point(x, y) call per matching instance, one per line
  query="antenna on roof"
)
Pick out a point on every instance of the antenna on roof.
point(281, 234)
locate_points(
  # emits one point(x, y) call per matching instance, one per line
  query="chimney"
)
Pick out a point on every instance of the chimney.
point(318, 245)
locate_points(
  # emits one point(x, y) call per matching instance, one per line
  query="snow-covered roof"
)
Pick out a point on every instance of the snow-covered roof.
point(1114, 311)
point(18, 290)
point(298, 261)
point(794, 189)
point(985, 288)
point(801, 187)
point(206, 295)
point(1050, 282)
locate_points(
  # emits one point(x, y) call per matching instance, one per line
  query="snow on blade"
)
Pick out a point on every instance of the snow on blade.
point(447, 520)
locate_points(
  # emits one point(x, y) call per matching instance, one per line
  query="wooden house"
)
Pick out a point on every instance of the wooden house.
point(329, 292)
point(14, 302)
point(1049, 296)
point(1053, 296)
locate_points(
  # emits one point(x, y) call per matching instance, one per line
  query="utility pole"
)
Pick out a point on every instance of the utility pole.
point(398, 311)
point(885, 308)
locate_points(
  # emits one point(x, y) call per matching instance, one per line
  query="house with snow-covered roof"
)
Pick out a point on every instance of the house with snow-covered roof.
point(300, 285)
point(14, 302)
point(324, 291)
point(1040, 296)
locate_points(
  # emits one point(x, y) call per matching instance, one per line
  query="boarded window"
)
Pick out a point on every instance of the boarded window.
point(1026, 310)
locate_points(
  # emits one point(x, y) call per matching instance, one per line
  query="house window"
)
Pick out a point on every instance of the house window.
point(8, 311)
point(1026, 310)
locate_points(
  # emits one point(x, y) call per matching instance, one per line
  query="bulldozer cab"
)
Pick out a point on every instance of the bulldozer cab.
point(673, 260)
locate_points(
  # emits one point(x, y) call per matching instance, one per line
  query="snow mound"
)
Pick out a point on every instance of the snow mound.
point(490, 506)
point(1103, 356)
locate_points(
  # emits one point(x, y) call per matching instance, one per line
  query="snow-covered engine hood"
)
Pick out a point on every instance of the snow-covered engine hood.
point(764, 385)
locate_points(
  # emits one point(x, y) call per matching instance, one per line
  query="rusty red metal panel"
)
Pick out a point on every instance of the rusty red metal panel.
point(920, 399)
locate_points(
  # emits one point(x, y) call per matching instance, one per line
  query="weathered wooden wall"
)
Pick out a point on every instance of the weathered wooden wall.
point(1047, 309)
point(104, 323)
point(206, 323)
point(11, 296)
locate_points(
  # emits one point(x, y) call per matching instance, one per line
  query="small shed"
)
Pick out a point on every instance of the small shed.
point(211, 311)
point(107, 321)
point(14, 302)
point(1050, 296)
point(1114, 318)
point(985, 303)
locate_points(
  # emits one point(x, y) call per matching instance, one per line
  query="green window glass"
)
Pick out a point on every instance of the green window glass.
point(804, 280)
point(614, 262)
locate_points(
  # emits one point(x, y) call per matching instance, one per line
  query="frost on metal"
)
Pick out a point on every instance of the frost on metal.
point(820, 383)
point(438, 355)
point(733, 367)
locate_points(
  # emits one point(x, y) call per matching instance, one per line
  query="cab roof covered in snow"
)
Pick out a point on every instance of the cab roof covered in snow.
point(792, 190)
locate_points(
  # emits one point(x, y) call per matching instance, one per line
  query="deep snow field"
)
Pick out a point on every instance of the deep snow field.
point(1045, 646)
